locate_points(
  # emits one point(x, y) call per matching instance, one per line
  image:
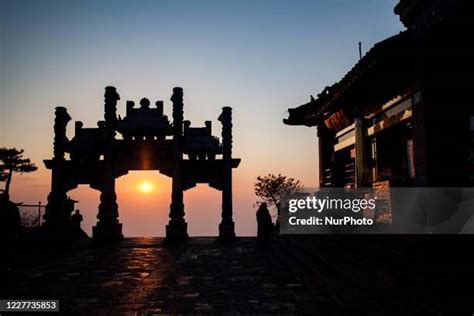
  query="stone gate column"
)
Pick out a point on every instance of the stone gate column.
point(176, 230)
point(226, 227)
point(108, 227)
point(56, 217)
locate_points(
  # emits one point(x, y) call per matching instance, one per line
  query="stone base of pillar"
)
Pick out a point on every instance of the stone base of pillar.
point(226, 231)
point(104, 231)
point(176, 232)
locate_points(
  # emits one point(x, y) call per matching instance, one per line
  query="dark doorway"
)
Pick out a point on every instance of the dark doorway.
point(394, 155)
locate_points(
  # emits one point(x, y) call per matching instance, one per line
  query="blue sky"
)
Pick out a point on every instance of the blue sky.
point(260, 57)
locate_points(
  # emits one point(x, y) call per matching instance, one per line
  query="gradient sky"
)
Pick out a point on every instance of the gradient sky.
point(260, 57)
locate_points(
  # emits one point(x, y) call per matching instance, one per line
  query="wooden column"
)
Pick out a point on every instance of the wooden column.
point(176, 230)
point(226, 227)
point(360, 148)
point(326, 155)
point(56, 217)
point(108, 227)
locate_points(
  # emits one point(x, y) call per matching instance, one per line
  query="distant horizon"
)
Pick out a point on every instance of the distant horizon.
point(258, 57)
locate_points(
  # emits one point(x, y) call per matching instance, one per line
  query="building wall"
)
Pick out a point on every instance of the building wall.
point(443, 74)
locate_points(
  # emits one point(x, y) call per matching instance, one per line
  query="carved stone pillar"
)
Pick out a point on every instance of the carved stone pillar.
point(108, 227)
point(110, 105)
point(176, 230)
point(226, 227)
point(56, 217)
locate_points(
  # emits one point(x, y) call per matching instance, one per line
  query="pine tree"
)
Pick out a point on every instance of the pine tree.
point(11, 160)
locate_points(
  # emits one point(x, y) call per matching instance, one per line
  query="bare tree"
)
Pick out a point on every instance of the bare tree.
point(29, 220)
point(271, 188)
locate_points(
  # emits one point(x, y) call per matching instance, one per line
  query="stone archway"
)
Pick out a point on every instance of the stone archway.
point(150, 142)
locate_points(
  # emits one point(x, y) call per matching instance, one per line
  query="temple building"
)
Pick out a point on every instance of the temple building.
point(404, 114)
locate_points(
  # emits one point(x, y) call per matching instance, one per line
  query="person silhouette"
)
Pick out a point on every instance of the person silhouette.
point(10, 225)
point(76, 220)
point(10, 220)
point(264, 224)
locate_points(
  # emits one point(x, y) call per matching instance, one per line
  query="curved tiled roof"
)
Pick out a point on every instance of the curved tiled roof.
point(386, 51)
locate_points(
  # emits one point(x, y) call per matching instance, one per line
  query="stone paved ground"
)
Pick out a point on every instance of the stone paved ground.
point(141, 276)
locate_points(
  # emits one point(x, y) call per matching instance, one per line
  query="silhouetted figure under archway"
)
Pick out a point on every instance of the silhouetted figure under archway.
point(76, 220)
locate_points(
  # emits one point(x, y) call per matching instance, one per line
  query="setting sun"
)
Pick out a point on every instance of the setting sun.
point(146, 187)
